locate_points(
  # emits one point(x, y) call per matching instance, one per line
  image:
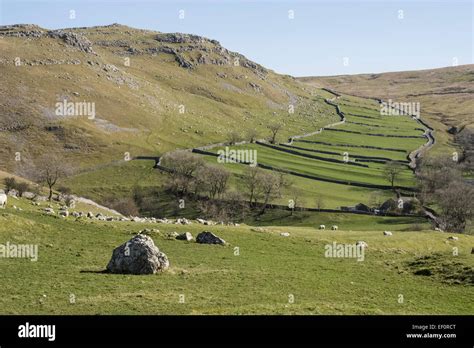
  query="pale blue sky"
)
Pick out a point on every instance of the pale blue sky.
point(370, 33)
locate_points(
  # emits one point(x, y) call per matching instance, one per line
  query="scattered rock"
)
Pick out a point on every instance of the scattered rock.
point(453, 130)
point(185, 236)
point(138, 256)
point(207, 237)
point(183, 221)
point(48, 210)
point(453, 238)
point(13, 193)
point(284, 234)
point(171, 235)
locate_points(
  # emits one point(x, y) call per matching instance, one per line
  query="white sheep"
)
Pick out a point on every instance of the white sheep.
point(387, 233)
point(322, 227)
point(3, 200)
point(334, 227)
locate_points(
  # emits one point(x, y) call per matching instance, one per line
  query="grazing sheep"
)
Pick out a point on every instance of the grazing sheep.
point(64, 213)
point(387, 233)
point(3, 200)
point(322, 227)
point(334, 227)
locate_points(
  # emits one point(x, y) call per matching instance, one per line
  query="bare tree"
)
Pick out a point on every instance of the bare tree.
point(252, 183)
point(295, 200)
point(233, 138)
point(10, 184)
point(22, 187)
point(392, 171)
point(456, 205)
point(271, 185)
point(436, 173)
point(319, 203)
point(251, 135)
point(465, 139)
point(274, 129)
point(182, 165)
point(442, 184)
point(49, 169)
point(212, 180)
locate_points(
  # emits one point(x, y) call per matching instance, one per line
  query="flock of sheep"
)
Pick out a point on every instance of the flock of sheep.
point(3, 203)
point(333, 227)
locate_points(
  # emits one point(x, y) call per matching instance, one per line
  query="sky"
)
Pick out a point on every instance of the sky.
point(299, 38)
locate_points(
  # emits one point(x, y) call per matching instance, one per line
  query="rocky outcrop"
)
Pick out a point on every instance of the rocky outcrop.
point(73, 39)
point(22, 30)
point(138, 256)
point(76, 40)
point(184, 38)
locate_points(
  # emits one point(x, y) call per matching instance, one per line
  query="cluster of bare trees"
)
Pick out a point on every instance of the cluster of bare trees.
point(190, 175)
point(251, 135)
point(465, 139)
point(442, 184)
point(260, 185)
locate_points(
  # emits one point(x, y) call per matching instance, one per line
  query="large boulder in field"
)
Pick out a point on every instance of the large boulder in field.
point(207, 237)
point(138, 256)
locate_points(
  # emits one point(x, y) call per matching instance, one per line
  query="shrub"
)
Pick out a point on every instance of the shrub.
point(125, 206)
point(22, 187)
point(10, 184)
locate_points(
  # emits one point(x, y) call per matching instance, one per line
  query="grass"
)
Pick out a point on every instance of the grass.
point(443, 95)
point(122, 177)
point(269, 269)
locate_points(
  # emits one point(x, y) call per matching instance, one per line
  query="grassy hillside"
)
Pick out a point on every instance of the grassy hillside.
point(152, 92)
point(340, 153)
point(445, 95)
point(271, 274)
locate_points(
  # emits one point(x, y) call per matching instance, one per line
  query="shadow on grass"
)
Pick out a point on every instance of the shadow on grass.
point(104, 271)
